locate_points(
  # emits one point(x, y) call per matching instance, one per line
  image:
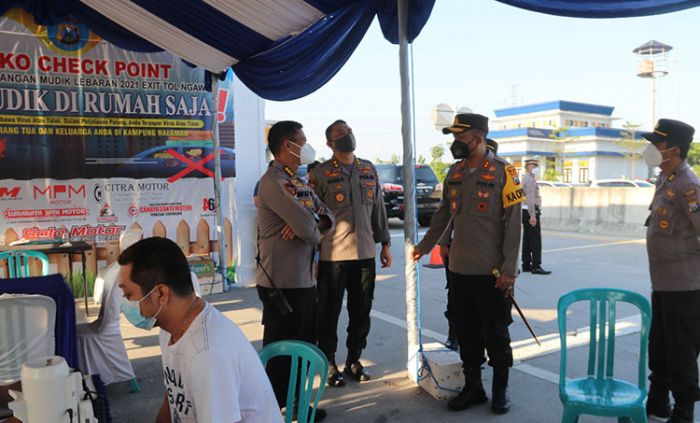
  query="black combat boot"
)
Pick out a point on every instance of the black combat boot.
point(354, 368)
point(473, 392)
point(658, 404)
point(682, 413)
point(500, 402)
point(335, 378)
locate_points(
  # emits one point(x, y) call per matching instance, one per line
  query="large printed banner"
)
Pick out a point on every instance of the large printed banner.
point(94, 138)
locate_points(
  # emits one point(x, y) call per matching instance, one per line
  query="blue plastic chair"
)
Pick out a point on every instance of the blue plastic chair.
point(599, 393)
point(18, 262)
point(312, 362)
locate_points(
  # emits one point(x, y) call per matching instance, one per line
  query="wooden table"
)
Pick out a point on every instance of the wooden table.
point(59, 248)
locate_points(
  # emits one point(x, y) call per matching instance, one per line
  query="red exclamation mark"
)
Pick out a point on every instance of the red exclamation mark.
point(223, 97)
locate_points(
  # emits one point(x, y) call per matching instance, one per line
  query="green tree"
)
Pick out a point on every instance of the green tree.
point(694, 157)
point(558, 135)
point(439, 167)
point(631, 144)
point(421, 159)
point(395, 159)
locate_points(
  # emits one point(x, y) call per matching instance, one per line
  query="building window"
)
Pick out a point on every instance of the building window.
point(583, 176)
point(567, 175)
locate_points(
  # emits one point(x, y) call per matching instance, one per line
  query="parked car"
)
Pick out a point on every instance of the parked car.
point(624, 183)
point(553, 184)
point(428, 191)
point(158, 162)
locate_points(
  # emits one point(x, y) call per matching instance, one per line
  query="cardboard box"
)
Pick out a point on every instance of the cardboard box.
point(446, 367)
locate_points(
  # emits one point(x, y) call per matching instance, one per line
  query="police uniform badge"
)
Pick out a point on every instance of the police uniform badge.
point(290, 189)
point(513, 192)
point(340, 197)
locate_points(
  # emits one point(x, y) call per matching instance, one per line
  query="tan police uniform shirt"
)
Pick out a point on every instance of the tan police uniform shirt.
point(673, 232)
point(356, 199)
point(285, 198)
point(533, 201)
point(484, 210)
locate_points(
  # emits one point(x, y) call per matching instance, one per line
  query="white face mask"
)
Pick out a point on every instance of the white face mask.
point(307, 155)
point(652, 156)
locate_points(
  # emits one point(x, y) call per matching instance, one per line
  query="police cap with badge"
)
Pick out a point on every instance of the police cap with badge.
point(672, 132)
point(466, 121)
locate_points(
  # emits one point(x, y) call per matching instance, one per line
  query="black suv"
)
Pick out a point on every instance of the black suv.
point(428, 191)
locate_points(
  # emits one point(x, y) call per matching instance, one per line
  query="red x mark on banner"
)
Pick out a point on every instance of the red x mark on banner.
point(191, 165)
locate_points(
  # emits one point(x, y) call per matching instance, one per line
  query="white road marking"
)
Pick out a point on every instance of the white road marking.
point(527, 349)
point(605, 244)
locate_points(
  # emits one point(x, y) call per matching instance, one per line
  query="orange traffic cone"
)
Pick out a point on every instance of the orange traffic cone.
point(435, 259)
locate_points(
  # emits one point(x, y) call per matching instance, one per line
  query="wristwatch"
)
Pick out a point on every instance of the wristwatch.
point(386, 243)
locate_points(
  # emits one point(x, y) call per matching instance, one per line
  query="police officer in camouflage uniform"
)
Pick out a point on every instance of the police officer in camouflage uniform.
point(673, 245)
point(291, 223)
point(481, 199)
point(350, 187)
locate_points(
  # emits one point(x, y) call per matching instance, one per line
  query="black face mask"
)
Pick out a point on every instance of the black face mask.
point(460, 150)
point(345, 144)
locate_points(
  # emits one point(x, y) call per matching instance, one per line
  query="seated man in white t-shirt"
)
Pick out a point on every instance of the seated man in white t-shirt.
point(210, 371)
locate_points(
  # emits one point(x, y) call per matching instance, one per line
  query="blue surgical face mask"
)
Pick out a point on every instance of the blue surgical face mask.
point(132, 312)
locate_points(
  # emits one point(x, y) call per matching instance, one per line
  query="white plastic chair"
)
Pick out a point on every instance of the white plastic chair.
point(101, 347)
point(27, 325)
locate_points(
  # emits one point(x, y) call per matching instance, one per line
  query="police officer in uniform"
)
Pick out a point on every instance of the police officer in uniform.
point(532, 235)
point(451, 342)
point(291, 223)
point(350, 187)
point(673, 246)
point(481, 198)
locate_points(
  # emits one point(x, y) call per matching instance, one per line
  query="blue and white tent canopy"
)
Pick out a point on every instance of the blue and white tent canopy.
point(281, 49)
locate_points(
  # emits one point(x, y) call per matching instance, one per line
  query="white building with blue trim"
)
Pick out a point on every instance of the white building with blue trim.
point(575, 140)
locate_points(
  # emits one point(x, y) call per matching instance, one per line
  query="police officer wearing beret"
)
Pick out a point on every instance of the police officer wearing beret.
point(291, 223)
point(481, 198)
point(350, 187)
point(673, 246)
point(532, 235)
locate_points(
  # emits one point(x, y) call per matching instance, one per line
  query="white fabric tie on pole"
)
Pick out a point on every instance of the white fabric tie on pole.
point(409, 227)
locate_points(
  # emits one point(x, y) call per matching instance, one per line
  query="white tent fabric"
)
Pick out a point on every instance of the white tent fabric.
point(273, 19)
point(27, 325)
point(101, 347)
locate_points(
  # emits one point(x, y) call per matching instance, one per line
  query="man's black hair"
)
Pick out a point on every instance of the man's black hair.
point(158, 261)
point(330, 128)
point(280, 131)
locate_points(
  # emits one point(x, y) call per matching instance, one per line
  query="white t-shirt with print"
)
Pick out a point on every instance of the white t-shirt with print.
point(213, 374)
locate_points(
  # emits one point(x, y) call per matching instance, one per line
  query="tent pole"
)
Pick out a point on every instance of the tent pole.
point(409, 226)
point(217, 183)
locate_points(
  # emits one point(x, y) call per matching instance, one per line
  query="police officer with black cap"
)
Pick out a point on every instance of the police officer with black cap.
point(451, 342)
point(482, 200)
point(673, 246)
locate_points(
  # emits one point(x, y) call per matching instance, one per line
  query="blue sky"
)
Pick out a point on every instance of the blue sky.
point(470, 53)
